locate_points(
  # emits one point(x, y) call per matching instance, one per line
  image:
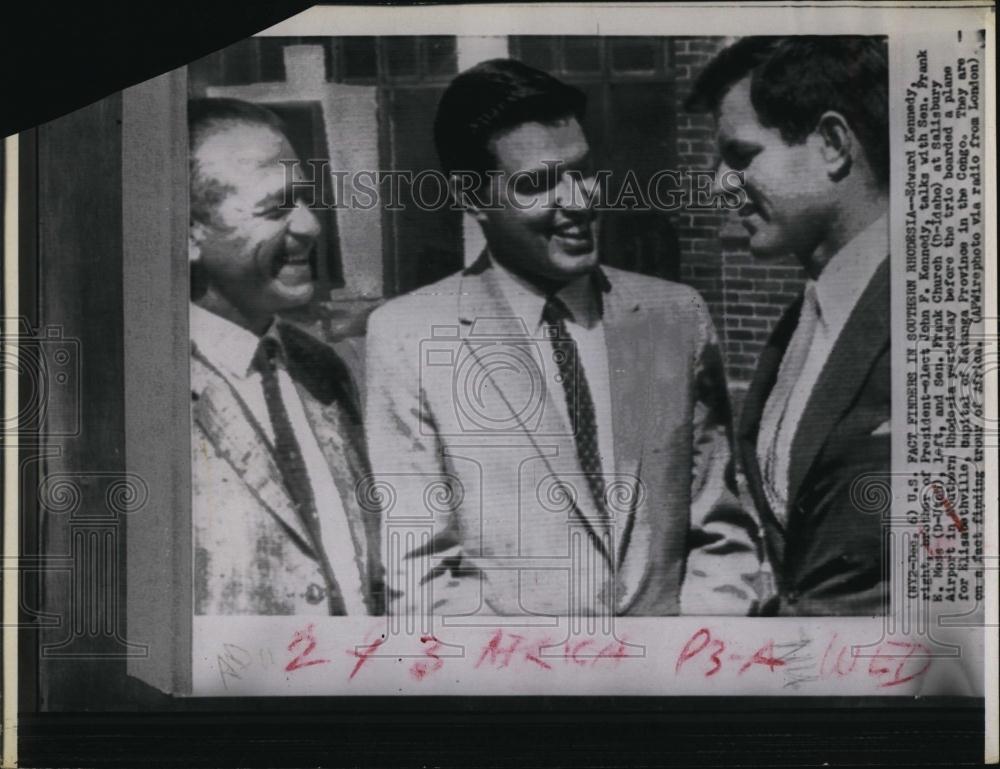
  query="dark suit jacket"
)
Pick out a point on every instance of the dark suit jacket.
point(253, 554)
point(830, 558)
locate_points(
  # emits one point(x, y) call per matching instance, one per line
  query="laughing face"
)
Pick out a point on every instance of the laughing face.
point(542, 224)
point(253, 249)
point(788, 190)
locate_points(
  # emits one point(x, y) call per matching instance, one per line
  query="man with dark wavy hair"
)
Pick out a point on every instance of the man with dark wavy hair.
point(556, 430)
point(804, 121)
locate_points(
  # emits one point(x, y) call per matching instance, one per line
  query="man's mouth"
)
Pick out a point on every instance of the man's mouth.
point(750, 216)
point(291, 265)
point(574, 235)
point(286, 257)
point(750, 208)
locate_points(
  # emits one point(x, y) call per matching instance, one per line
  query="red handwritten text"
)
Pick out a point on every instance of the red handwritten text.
point(714, 648)
point(891, 663)
point(420, 669)
point(363, 654)
point(306, 640)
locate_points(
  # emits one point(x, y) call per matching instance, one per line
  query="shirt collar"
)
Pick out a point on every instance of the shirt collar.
point(845, 277)
point(579, 296)
point(228, 346)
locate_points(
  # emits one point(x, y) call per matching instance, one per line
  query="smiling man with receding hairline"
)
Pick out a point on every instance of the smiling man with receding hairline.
point(278, 444)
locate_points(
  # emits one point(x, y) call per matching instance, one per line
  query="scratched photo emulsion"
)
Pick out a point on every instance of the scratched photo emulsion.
point(539, 362)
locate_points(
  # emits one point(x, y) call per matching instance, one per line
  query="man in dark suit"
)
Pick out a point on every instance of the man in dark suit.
point(551, 435)
point(804, 121)
point(277, 436)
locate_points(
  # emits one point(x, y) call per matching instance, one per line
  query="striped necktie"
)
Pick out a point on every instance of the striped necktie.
point(288, 457)
point(579, 403)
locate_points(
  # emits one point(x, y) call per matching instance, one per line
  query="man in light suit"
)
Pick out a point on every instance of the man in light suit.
point(277, 436)
point(549, 436)
point(805, 121)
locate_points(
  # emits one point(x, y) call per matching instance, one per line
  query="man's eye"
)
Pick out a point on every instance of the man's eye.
point(533, 182)
point(273, 213)
point(739, 159)
point(543, 180)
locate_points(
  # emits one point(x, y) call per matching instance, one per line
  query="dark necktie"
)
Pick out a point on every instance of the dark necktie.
point(288, 457)
point(579, 403)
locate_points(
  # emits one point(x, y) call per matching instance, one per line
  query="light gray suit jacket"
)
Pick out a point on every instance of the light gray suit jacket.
point(253, 553)
point(486, 508)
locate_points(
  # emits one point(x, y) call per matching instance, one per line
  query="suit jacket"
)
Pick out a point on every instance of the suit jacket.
point(829, 559)
point(487, 508)
point(253, 554)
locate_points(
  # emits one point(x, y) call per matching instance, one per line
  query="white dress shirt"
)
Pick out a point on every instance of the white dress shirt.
point(231, 349)
point(587, 330)
point(837, 291)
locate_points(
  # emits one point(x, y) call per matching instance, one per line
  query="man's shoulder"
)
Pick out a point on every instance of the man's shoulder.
point(403, 313)
point(655, 293)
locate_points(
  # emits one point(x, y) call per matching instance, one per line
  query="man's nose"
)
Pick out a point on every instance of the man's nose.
point(576, 193)
point(302, 222)
point(722, 173)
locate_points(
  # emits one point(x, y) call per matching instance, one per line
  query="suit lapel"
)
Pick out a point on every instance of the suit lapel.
point(484, 311)
point(628, 343)
point(237, 437)
point(860, 342)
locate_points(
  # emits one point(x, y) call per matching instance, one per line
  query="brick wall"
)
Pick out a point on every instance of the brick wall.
point(754, 294)
point(745, 297)
point(698, 231)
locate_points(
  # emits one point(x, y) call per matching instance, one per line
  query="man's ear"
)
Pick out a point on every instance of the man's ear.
point(196, 236)
point(462, 188)
point(838, 144)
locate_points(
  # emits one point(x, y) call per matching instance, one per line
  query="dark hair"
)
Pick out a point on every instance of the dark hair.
point(207, 117)
point(490, 97)
point(794, 80)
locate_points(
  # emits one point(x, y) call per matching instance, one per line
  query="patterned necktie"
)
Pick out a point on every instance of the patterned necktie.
point(775, 466)
point(288, 457)
point(579, 403)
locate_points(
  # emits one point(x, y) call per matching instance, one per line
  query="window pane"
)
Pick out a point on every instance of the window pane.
point(441, 56)
point(581, 54)
point(359, 58)
point(538, 51)
point(240, 65)
point(635, 54)
point(400, 56)
point(272, 59)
